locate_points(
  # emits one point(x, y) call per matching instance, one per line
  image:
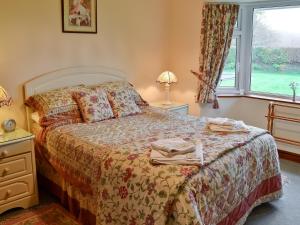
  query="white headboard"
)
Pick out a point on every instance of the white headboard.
point(67, 77)
point(72, 76)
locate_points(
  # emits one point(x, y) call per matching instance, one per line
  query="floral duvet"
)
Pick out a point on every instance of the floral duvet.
point(110, 161)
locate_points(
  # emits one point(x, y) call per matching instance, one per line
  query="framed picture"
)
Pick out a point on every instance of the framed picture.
point(79, 16)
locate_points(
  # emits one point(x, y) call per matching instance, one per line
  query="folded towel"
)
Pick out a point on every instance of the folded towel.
point(226, 125)
point(220, 121)
point(192, 158)
point(218, 128)
point(173, 146)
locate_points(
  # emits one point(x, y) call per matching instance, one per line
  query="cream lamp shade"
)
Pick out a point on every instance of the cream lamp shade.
point(167, 78)
point(5, 99)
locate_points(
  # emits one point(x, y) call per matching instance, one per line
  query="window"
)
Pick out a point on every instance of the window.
point(264, 57)
point(275, 50)
point(229, 77)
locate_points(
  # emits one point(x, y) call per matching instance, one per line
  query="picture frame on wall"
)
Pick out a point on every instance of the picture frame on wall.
point(79, 16)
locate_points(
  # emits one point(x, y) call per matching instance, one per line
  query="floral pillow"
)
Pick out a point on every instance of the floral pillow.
point(123, 103)
point(122, 85)
point(56, 105)
point(94, 105)
point(73, 115)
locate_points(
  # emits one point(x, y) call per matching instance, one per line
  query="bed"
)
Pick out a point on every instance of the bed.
point(102, 174)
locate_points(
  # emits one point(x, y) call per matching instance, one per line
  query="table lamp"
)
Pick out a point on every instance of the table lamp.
point(167, 78)
point(6, 100)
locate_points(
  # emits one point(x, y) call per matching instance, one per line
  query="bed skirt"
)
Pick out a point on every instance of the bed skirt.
point(269, 190)
point(71, 204)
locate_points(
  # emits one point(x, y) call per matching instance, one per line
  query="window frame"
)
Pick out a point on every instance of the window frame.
point(244, 62)
point(237, 37)
point(237, 34)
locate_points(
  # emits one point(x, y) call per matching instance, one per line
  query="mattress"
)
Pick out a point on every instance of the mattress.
point(108, 163)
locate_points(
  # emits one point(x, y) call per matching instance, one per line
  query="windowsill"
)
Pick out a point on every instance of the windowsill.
point(259, 97)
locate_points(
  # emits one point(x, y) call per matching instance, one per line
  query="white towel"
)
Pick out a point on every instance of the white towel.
point(220, 121)
point(192, 158)
point(173, 146)
point(226, 125)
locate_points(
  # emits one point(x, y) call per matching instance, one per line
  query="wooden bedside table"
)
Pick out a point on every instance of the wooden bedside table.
point(177, 107)
point(18, 184)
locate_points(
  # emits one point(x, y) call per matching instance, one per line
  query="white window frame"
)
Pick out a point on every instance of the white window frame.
point(237, 34)
point(244, 55)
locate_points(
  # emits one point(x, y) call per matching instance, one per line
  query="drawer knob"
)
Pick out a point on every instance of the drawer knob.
point(8, 193)
point(5, 171)
point(4, 153)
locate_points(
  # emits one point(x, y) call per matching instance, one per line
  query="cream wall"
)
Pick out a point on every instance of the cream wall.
point(184, 48)
point(132, 37)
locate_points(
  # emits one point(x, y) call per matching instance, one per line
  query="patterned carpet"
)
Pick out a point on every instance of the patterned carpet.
point(52, 214)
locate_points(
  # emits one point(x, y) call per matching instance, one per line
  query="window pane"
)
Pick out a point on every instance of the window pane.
point(229, 72)
point(236, 25)
point(275, 50)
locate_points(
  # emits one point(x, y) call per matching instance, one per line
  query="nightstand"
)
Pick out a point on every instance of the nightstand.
point(180, 108)
point(18, 183)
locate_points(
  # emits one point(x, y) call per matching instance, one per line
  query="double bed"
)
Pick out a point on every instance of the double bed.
point(102, 173)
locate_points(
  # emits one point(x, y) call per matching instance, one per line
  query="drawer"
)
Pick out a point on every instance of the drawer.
point(15, 166)
point(15, 149)
point(181, 111)
point(16, 189)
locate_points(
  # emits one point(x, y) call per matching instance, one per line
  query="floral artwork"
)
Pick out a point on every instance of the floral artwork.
point(79, 16)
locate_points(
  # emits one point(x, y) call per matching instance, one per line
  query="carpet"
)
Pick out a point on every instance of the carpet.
point(285, 180)
point(52, 214)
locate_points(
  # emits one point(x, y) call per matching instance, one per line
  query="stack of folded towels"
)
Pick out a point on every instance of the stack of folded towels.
point(176, 151)
point(226, 125)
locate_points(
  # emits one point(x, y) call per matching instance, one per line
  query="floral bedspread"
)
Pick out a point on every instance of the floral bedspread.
point(110, 159)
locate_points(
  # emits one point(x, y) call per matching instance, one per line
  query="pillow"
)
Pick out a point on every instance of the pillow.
point(35, 117)
point(123, 103)
point(94, 105)
point(47, 121)
point(122, 85)
point(74, 116)
point(55, 105)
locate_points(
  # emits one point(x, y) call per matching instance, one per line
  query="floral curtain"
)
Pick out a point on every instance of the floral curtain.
point(218, 21)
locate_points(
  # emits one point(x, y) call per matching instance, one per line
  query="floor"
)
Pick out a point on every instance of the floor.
point(285, 211)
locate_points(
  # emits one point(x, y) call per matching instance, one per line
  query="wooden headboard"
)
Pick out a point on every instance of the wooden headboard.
point(67, 77)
